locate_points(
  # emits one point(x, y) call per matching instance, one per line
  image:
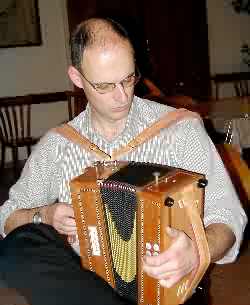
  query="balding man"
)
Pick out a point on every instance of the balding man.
point(34, 259)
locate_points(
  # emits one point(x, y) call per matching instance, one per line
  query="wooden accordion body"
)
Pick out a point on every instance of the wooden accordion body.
point(122, 210)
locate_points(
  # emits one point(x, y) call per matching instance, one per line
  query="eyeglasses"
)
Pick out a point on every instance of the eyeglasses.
point(128, 81)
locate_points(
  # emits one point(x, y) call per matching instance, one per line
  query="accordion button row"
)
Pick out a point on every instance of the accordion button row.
point(149, 253)
point(149, 246)
point(152, 249)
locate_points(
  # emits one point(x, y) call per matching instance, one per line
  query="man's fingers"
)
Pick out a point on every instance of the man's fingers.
point(169, 282)
point(68, 210)
point(158, 260)
point(158, 275)
point(160, 271)
point(66, 230)
point(67, 226)
point(71, 239)
point(171, 232)
point(69, 222)
point(165, 255)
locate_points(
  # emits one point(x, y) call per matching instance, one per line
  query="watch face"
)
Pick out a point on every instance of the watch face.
point(37, 218)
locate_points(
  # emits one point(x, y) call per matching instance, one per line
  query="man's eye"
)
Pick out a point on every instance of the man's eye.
point(103, 86)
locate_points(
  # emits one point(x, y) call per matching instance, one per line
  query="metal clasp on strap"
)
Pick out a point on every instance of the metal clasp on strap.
point(133, 144)
point(93, 147)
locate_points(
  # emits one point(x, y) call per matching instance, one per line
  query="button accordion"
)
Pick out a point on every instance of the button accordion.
point(122, 210)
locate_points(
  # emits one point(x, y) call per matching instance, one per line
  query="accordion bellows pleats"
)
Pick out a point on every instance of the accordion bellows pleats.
point(122, 210)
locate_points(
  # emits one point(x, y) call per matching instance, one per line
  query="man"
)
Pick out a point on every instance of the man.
point(33, 254)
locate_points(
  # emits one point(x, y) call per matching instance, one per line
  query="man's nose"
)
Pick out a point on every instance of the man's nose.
point(119, 93)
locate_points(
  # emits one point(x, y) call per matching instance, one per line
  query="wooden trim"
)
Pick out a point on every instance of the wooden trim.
point(39, 98)
point(230, 77)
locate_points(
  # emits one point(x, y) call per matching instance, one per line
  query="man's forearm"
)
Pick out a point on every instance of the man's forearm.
point(220, 240)
point(24, 216)
point(219, 236)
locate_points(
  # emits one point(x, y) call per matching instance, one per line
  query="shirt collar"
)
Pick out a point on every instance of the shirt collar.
point(93, 136)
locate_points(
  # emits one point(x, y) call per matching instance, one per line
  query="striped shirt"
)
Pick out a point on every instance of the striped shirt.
point(55, 161)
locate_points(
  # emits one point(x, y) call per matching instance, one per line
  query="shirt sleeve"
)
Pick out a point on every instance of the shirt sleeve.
point(37, 185)
point(222, 204)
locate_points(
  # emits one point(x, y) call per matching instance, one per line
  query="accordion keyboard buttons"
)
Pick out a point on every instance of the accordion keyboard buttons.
point(156, 247)
point(152, 250)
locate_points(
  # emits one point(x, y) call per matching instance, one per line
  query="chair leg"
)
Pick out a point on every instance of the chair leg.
point(28, 150)
point(15, 161)
point(3, 148)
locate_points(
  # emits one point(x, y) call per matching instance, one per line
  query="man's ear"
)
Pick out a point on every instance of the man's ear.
point(75, 76)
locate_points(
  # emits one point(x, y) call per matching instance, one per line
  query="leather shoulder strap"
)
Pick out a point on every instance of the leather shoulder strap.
point(165, 121)
point(70, 133)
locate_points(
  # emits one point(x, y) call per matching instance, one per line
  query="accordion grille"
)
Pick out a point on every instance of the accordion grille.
point(120, 212)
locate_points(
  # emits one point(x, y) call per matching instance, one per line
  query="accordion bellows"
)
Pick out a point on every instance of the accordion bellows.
point(122, 210)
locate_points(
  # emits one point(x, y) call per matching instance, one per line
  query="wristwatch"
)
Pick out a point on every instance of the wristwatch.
point(37, 218)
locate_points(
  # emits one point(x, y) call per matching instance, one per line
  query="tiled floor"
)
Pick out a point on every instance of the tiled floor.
point(230, 284)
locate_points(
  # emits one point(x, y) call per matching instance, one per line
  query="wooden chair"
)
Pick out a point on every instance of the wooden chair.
point(239, 81)
point(240, 176)
point(156, 94)
point(152, 90)
point(240, 85)
point(230, 154)
point(76, 102)
point(238, 170)
point(242, 88)
point(15, 127)
point(181, 101)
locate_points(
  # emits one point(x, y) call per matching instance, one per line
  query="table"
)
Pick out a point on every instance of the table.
point(229, 115)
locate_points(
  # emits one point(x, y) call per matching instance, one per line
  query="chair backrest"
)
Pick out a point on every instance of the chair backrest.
point(76, 103)
point(152, 90)
point(242, 87)
point(15, 118)
point(181, 101)
point(177, 101)
point(240, 82)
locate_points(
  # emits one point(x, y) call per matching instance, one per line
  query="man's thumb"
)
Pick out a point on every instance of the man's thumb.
point(173, 233)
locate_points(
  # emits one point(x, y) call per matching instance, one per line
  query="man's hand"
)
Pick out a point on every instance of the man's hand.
point(61, 217)
point(173, 264)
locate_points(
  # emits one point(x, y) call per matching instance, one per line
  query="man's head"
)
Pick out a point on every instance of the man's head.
point(103, 65)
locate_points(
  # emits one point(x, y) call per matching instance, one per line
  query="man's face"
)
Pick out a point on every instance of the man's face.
point(110, 65)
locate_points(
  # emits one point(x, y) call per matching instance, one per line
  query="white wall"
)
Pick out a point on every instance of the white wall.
point(27, 70)
point(38, 69)
point(227, 31)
